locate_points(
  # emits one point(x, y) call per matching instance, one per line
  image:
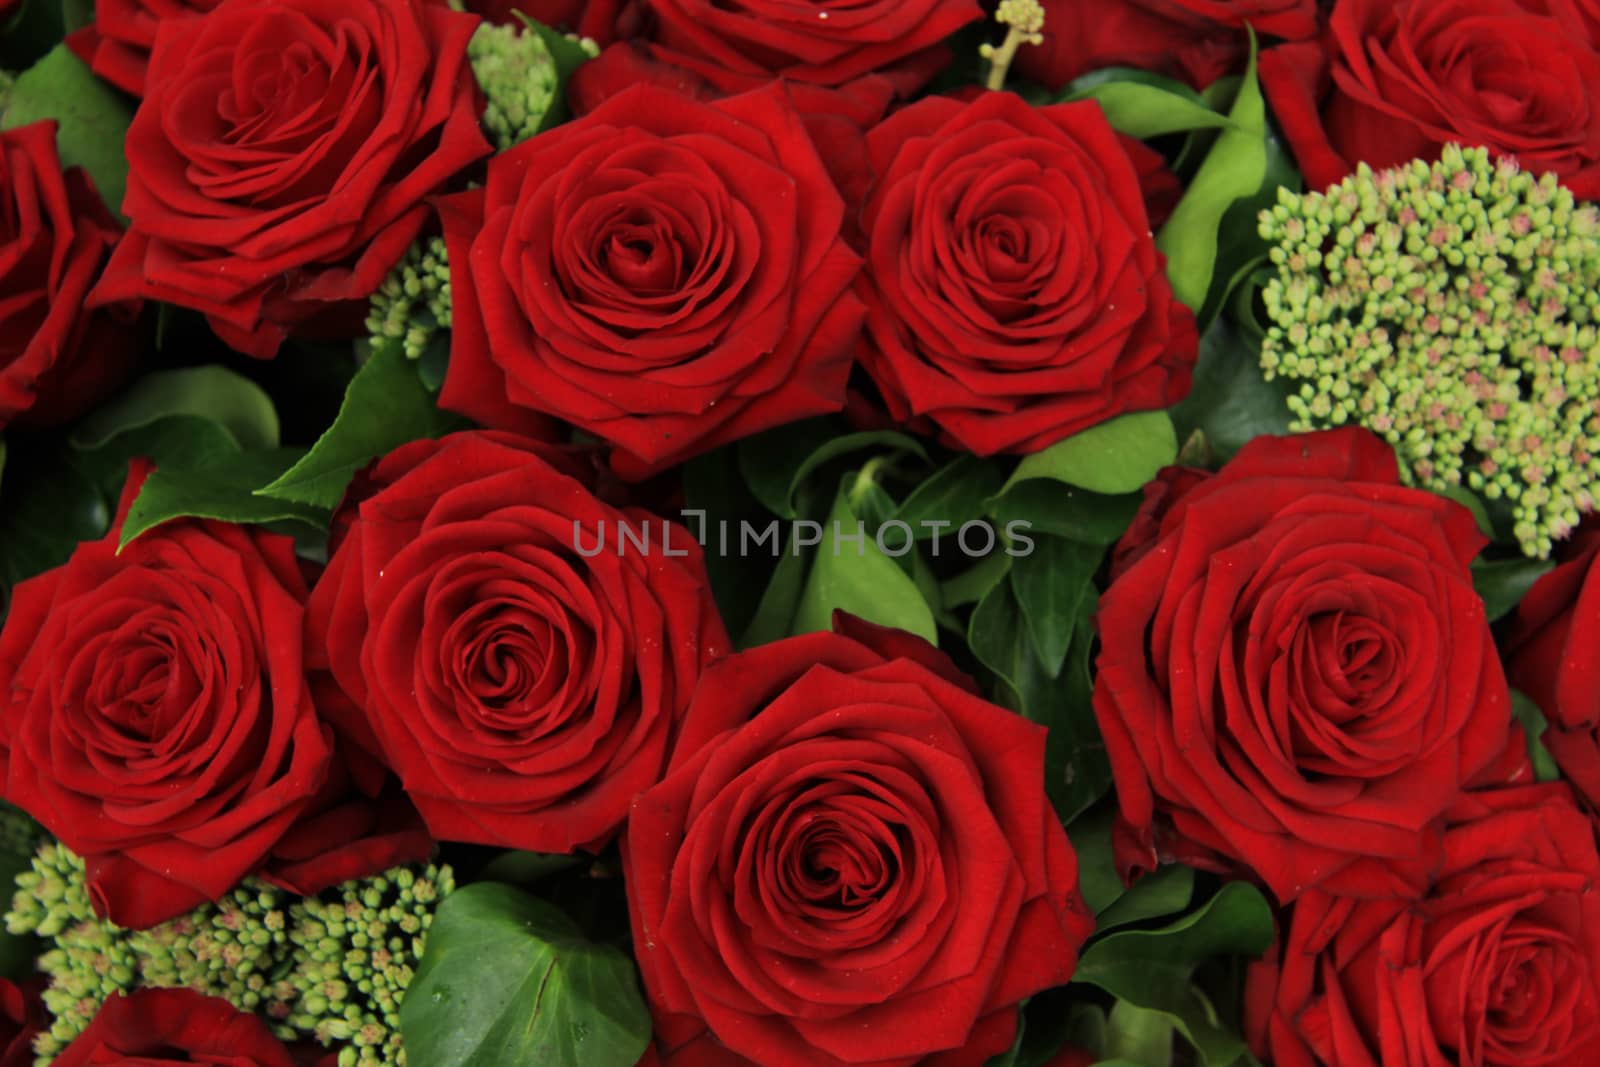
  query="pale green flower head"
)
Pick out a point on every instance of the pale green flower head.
point(1451, 308)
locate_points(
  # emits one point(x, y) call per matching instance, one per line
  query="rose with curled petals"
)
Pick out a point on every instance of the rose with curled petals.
point(170, 1027)
point(279, 162)
point(665, 273)
point(1296, 677)
point(156, 717)
point(117, 44)
point(523, 691)
point(1497, 965)
point(1015, 295)
point(852, 860)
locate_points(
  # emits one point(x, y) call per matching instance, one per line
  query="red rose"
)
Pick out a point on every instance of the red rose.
point(851, 860)
point(831, 44)
point(1553, 639)
point(117, 44)
point(664, 273)
point(1495, 967)
point(1196, 40)
point(602, 21)
point(1394, 80)
point(167, 1027)
point(523, 685)
point(1014, 293)
point(22, 1018)
point(1296, 676)
point(56, 359)
point(280, 159)
point(347, 835)
point(157, 718)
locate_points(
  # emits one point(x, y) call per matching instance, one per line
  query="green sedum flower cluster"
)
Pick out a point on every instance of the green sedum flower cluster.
point(332, 968)
point(1451, 308)
point(413, 303)
point(514, 68)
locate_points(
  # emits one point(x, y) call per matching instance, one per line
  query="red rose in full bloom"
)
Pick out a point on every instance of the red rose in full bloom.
point(1394, 80)
point(664, 273)
point(1015, 295)
point(852, 860)
point(117, 44)
point(1553, 638)
point(1196, 40)
point(1296, 676)
point(1497, 966)
point(279, 163)
point(57, 360)
point(524, 691)
point(155, 712)
point(169, 1027)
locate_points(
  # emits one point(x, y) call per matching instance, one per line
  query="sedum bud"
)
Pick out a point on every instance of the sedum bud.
point(518, 76)
point(413, 303)
point(1451, 308)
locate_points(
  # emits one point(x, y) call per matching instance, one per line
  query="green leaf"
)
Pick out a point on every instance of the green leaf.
point(774, 616)
point(856, 577)
point(233, 402)
point(385, 406)
point(1076, 770)
point(972, 584)
point(525, 868)
point(1503, 582)
point(1066, 511)
point(1051, 584)
point(49, 505)
point(1234, 169)
point(1145, 105)
point(17, 952)
point(508, 979)
point(1153, 969)
point(169, 441)
point(1230, 400)
point(1534, 725)
point(1139, 1036)
point(777, 463)
point(218, 489)
point(1118, 456)
point(956, 493)
point(1164, 891)
point(93, 118)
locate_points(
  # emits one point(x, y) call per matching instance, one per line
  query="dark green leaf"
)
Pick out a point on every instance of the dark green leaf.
point(954, 494)
point(1076, 771)
point(385, 407)
point(1230, 400)
point(971, 585)
point(47, 507)
point(1502, 582)
point(774, 617)
point(525, 868)
point(508, 979)
point(1234, 169)
point(93, 118)
point(220, 488)
point(1118, 456)
point(1164, 891)
point(854, 576)
point(17, 952)
point(777, 463)
point(1534, 726)
point(1153, 969)
point(1051, 584)
point(739, 566)
point(1066, 511)
point(76, 14)
point(235, 403)
point(170, 441)
point(1136, 1035)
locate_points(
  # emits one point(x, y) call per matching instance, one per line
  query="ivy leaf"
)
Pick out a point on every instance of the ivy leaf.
point(385, 406)
point(1503, 582)
point(93, 119)
point(506, 978)
point(1052, 584)
point(855, 576)
point(1118, 456)
point(1234, 169)
point(234, 403)
point(1154, 969)
point(1144, 105)
point(1230, 401)
point(218, 488)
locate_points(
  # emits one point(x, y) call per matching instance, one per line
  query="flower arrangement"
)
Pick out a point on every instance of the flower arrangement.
point(799, 533)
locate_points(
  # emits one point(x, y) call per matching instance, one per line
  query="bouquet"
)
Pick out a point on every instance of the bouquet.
point(799, 533)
